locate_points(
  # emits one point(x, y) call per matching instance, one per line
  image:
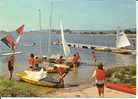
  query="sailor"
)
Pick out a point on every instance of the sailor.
point(31, 61)
point(78, 58)
point(99, 75)
point(36, 62)
point(11, 62)
point(93, 53)
point(62, 73)
point(60, 60)
point(74, 61)
point(45, 62)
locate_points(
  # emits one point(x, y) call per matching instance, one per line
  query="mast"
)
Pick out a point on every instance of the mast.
point(50, 26)
point(66, 49)
point(40, 28)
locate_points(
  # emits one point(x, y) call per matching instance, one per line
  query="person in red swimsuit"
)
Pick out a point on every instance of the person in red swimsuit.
point(62, 73)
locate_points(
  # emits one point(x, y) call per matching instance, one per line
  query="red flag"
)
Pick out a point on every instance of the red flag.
point(9, 41)
point(20, 30)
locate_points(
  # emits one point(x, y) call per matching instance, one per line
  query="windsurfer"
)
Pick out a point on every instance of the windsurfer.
point(11, 62)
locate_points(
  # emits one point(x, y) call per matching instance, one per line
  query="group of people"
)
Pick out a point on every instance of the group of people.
point(34, 61)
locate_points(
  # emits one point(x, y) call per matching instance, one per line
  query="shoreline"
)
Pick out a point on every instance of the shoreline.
point(87, 89)
point(90, 92)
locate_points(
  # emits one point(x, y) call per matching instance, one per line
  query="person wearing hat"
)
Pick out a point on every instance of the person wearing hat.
point(99, 75)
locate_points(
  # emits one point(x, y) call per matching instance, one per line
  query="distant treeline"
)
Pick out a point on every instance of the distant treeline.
point(127, 31)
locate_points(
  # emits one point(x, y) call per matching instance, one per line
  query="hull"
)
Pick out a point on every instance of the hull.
point(122, 87)
point(46, 82)
point(122, 51)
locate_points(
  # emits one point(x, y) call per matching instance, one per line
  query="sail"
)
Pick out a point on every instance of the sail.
point(65, 47)
point(18, 39)
point(122, 40)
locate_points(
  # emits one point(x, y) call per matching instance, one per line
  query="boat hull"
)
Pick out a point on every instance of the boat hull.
point(122, 51)
point(46, 82)
point(122, 87)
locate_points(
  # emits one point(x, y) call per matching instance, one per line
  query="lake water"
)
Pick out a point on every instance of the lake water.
point(84, 71)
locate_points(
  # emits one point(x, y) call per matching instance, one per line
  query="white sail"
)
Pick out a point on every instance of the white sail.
point(65, 47)
point(18, 39)
point(122, 40)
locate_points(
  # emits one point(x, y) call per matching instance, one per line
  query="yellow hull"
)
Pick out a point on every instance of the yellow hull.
point(46, 83)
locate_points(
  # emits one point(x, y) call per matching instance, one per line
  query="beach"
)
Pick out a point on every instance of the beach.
point(90, 92)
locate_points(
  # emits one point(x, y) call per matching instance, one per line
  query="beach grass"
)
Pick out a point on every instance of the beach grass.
point(12, 88)
point(15, 88)
point(124, 74)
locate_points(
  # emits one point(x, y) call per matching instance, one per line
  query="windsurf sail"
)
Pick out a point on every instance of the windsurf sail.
point(65, 47)
point(20, 31)
point(121, 40)
point(9, 41)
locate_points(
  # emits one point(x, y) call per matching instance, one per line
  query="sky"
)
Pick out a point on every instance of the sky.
point(75, 14)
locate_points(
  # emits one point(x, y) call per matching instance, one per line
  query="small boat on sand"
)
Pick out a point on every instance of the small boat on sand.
point(47, 81)
point(122, 87)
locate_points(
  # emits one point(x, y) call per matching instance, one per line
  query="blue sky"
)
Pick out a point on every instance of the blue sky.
point(75, 14)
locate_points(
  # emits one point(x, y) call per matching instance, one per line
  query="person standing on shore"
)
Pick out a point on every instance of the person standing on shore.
point(99, 75)
point(11, 62)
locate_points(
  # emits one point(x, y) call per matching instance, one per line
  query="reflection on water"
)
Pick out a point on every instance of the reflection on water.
point(83, 72)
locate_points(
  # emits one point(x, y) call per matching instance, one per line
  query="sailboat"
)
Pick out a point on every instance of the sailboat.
point(122, 42)
point(65, 47)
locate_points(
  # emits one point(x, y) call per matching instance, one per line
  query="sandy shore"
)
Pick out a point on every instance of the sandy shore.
point(90, 92)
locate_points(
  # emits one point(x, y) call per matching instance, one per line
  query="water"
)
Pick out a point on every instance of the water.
point(84, 71)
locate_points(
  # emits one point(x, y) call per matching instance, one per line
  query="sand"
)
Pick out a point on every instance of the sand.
point(90, 92)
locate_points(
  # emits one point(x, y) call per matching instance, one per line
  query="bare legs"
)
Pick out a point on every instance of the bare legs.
point(101, 91)
point(10, 74)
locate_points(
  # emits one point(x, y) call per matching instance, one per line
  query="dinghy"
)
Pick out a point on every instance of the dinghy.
point(34, 79)
point(121, 42)
point(122, 87)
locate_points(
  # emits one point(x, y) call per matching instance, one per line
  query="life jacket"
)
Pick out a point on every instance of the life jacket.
point(31, 61)
point(100, 74)
point(61, 70)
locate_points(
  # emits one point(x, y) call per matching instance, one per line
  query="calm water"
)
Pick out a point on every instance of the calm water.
point(84, 71)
